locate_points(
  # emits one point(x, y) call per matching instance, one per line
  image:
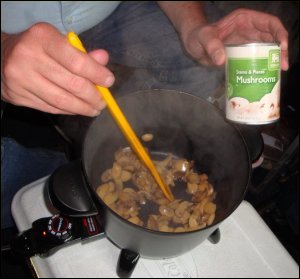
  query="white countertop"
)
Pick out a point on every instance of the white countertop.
point(247, 249)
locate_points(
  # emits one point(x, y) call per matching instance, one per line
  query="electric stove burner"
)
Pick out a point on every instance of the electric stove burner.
point(247, 247)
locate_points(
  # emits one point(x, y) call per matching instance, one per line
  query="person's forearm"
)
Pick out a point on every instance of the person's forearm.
point(184, 15)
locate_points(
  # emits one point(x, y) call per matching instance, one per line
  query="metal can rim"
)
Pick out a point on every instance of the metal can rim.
point(252, 122)
point(252, 44)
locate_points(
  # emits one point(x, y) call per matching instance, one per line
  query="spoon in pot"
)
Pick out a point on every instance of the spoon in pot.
point(124, 125)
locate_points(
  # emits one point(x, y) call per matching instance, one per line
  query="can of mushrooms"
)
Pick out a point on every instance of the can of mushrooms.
point(253, 83)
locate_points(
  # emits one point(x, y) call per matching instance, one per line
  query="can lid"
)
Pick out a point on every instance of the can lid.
point(252, 44)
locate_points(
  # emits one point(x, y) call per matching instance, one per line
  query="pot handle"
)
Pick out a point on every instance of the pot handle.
point(68, 191)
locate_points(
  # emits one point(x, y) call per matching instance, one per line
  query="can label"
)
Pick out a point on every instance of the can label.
point(253, 83)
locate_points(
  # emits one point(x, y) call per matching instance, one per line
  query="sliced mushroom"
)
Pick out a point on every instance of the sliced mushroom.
point(152, 223)
point(211, 218)
point(203, 177)
point(183, 207)
point(143, 197)
point(166, 211)
point(203, 186)
point(176, 216)
point(127, 160)
point(193, 178)
point(105, 189)
point(163, 224)
point(210, 208)
point(116, 171)
point(197, 220)
point(180, 166)
point(198, 227)
point(192, 188)
point(164, 163)
point(106, 175)
point(194, 221)
point(199, 196)
point(116, 175)
point(143, 180)
point(168, 177)
point(202, 204)
point(125, 176)
point(165, 228)
point(210, 189)
point(183, 219)
point(179, 229)
point(147, 137)
point(161, 201)
point(125, 196)
point(174, 204)
point(136, 220)
point(111, 198)
point(130, 210)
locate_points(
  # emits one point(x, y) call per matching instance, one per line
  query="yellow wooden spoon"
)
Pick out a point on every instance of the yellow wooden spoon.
point(124, 125)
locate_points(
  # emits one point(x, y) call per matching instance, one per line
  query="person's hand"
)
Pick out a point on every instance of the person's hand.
point(205, 42)
point(41, 70)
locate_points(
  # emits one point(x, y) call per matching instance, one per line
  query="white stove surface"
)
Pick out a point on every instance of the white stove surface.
point(247, 249)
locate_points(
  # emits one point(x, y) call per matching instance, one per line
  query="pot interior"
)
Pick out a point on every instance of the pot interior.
point(184, 125)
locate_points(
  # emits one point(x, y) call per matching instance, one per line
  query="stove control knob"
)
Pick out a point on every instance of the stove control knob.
point(60, 227)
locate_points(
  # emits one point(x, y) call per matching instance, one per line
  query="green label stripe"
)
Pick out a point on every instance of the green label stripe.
point(250, 78)
point(274, 59)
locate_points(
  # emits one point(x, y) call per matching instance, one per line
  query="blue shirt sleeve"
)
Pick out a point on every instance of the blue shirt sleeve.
point(77, 16)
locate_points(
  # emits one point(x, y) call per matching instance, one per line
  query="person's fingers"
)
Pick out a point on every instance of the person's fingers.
point(81, 87)
point(280, 35)
point(284, 60)
point(245, 26)
point(58, 97)
point(100, 55)
point(282, 38)
point(38, 104)
point(85, 66)
point(75, 61)
point(247, 37)
point(267, 37)
point(25, 98)
point(271, 24)
point(31, 74)
point(228, 24)
point(212, 45)
point(264, 37)
point(243, 19)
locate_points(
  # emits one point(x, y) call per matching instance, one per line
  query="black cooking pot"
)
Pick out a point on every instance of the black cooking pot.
point(182, 124)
